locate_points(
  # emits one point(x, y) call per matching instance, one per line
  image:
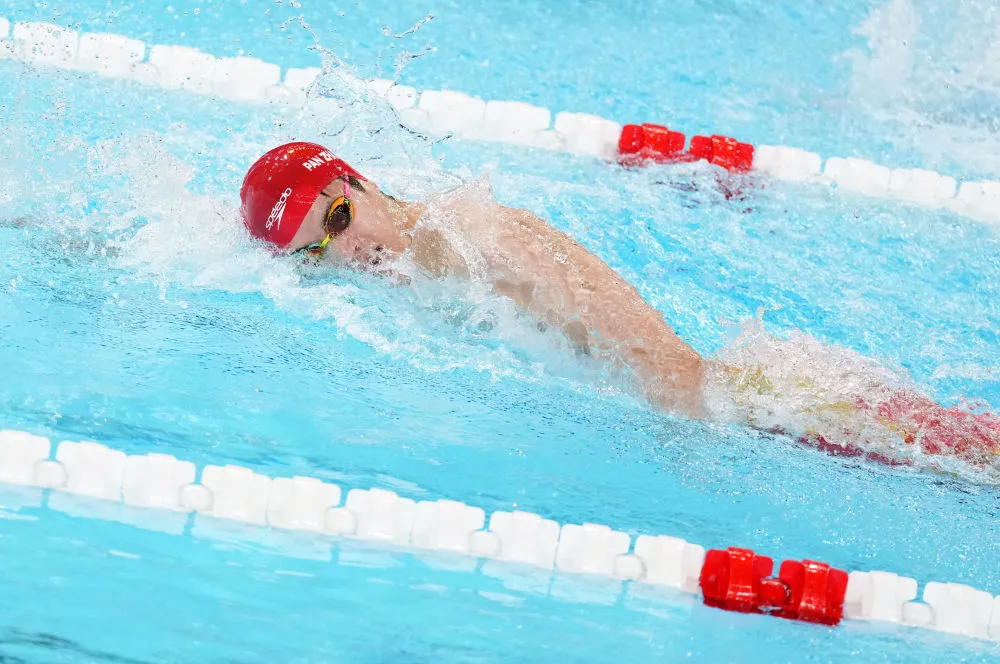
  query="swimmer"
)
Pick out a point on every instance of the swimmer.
point(301, 199)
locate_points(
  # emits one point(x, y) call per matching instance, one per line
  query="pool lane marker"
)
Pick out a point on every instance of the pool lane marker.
point(443, 112)
point(733, 579)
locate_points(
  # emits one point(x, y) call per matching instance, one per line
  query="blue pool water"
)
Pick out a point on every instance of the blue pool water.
point(134, 313)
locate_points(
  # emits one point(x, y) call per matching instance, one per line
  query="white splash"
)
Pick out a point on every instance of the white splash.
point(884, 72)
point(841, 401)
point(931, 75)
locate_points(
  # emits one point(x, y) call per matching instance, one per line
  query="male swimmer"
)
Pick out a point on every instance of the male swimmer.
point(299, 197)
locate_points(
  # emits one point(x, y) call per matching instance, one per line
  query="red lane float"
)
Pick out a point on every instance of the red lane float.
point(816, 591)
point(740, 580)
point(731, 579)
point(723, 151)
point(658, 144)
point(649, 142)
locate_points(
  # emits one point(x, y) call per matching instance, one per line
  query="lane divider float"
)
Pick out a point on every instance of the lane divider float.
point(442, 112)
point(733, 579)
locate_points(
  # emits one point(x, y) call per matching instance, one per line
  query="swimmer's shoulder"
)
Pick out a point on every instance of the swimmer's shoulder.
point(431, 250)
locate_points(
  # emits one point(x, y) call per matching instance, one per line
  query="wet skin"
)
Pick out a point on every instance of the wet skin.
point(544, 271)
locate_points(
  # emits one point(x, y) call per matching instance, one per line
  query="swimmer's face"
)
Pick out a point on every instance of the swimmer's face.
point(372, 233)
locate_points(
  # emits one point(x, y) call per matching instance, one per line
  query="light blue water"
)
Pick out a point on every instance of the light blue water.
point(133, 313)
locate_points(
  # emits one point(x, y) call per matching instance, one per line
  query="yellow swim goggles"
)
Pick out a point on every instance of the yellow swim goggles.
point(338, 218)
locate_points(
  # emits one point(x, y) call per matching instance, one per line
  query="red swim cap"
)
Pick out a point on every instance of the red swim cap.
point(281, 186)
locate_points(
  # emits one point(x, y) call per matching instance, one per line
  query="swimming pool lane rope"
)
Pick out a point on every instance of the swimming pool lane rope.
point(162, 493)
point(444, 112)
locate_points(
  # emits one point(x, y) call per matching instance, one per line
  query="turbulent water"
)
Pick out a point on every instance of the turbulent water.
point(930, 72)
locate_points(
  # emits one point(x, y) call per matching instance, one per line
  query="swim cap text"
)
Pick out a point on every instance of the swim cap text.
point(318, 160)
point(278, 211)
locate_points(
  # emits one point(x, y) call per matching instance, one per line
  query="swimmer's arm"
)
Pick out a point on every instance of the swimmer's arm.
point(868, 421)
point(609, 314)
point(672, 372)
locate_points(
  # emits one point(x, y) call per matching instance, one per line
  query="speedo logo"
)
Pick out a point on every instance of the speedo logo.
point(278, 211)
point(318, 160)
